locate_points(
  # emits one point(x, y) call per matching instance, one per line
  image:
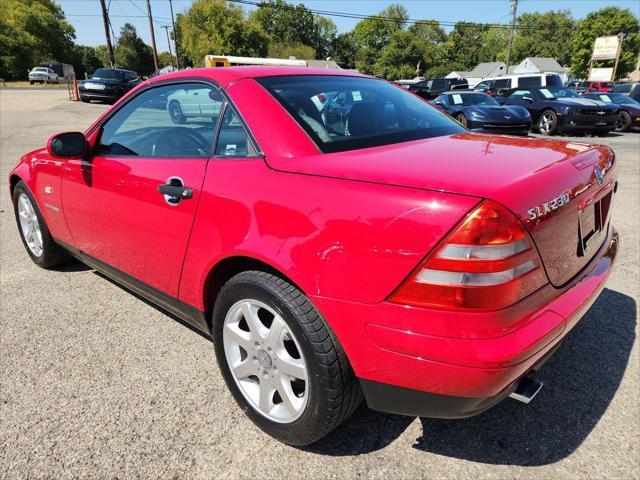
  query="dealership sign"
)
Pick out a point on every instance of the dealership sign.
point(601, 74)
point(606, 48)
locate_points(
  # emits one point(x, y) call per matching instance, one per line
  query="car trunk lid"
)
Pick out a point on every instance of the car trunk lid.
point(553, 186)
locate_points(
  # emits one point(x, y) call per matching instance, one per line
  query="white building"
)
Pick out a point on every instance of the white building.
point(541, 65)
point(483, 70)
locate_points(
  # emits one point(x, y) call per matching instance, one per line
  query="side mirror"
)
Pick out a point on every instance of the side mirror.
point(440, 104)
point(528, 99)
point(68, 144)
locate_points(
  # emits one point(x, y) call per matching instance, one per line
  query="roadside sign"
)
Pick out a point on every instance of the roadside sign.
point(601, 74)
point(606, 48)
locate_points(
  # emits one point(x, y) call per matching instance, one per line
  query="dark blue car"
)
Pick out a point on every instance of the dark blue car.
point(478, 111)
point(629, 109)
point(561, 109)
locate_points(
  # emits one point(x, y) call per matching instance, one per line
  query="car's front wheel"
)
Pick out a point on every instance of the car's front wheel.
point(39, 243)
point(548, 122)
point(281, 361)
point(461, 119)
point(624, 122)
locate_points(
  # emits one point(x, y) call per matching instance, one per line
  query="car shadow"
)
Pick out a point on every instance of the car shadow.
point(72, 265)
point(580, 380)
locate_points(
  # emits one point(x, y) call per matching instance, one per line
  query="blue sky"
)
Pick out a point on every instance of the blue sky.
point(86, 17)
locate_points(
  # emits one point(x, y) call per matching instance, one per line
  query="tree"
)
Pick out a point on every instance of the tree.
point(165, 59)
point(132, 53)
point(103, 55)
point(544, 35)
point(344, 50)
point(32, 31)
point(295, 24)
point(286, 50)
point(215, 27)
point(373, 33)
point(85, 61)
point(463, 48)
point(606, 21)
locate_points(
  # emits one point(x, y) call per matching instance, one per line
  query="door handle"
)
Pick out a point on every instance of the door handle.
point(174, 191)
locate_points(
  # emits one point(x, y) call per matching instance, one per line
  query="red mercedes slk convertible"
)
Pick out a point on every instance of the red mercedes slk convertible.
point(336, 236)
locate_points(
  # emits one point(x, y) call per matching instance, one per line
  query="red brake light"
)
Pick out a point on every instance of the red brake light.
point(487, 262)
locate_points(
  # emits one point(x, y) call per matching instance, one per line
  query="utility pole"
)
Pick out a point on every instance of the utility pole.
point(153, 36)
point(105, 19)
point(175, 36)
point(166, 29)
point(514, 9)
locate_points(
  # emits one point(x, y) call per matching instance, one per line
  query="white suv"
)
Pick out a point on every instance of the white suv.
point(493, 85)
point(43, 75)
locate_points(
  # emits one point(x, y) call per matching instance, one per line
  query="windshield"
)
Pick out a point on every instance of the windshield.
point(364, 112)
point(558, 92)
point(472, 99)
point(616, 98)
point(40, 69)
point(107, 74)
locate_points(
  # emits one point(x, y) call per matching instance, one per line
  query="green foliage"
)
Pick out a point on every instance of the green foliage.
point(544, 35)
point(216, 27)
point(606, 21)
point(295, 24)
point(102, 52)
point(31, 32)
point(463, 48)
point(286, 50)
point(165, 59)
point(131, 53)
point(372, 34)
point(343, 49)
point(86, 60)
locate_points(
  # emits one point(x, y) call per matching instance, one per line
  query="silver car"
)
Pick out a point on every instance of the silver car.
point(43, 75)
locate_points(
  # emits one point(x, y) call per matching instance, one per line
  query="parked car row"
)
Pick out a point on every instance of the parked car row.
point(516, 103)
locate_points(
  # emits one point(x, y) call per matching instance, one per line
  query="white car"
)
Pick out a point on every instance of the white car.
point(192, 103)
point(44, 75)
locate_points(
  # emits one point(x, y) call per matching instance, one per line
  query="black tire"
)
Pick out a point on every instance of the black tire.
point(85, 99)
point(334, 392)
point(548, 128)
point(52, 254)
point(462, 120)
point(30, 82)
point(175, 112)
point(624, 122)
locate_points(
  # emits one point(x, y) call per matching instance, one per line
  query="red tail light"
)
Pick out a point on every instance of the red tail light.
point(487, 262)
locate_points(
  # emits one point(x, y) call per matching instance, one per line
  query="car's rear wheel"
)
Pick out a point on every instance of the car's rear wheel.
point(461, 119)
point(548, 122)
point(624, 122)
point(175, 112)
point(37, 240)
point(281, 361)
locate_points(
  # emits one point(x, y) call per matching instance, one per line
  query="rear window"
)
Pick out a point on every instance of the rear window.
point(362, 112)
point(530, 82)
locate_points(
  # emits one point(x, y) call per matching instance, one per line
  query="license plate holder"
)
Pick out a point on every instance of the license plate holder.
point(592, 221)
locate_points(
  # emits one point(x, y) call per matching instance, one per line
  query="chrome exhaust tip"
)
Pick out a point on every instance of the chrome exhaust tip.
point(526, 390)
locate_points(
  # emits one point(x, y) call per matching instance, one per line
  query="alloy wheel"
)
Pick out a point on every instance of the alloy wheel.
point(30, 225)
point(265, 360)
point(547, 122)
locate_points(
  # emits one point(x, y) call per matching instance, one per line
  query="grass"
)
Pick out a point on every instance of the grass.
point(35, 85)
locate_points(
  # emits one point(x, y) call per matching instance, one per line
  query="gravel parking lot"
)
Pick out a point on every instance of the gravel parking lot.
point(96, 382)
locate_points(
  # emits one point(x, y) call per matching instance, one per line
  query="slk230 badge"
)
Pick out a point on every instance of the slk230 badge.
point(547, 207)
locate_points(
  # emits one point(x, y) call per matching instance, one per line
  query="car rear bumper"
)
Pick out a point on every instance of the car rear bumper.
point(405, 369)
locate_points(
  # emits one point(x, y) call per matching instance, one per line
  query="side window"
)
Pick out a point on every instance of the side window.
point(529, 82)
point(233, 140)
point(172, 121)
point(502, 83)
